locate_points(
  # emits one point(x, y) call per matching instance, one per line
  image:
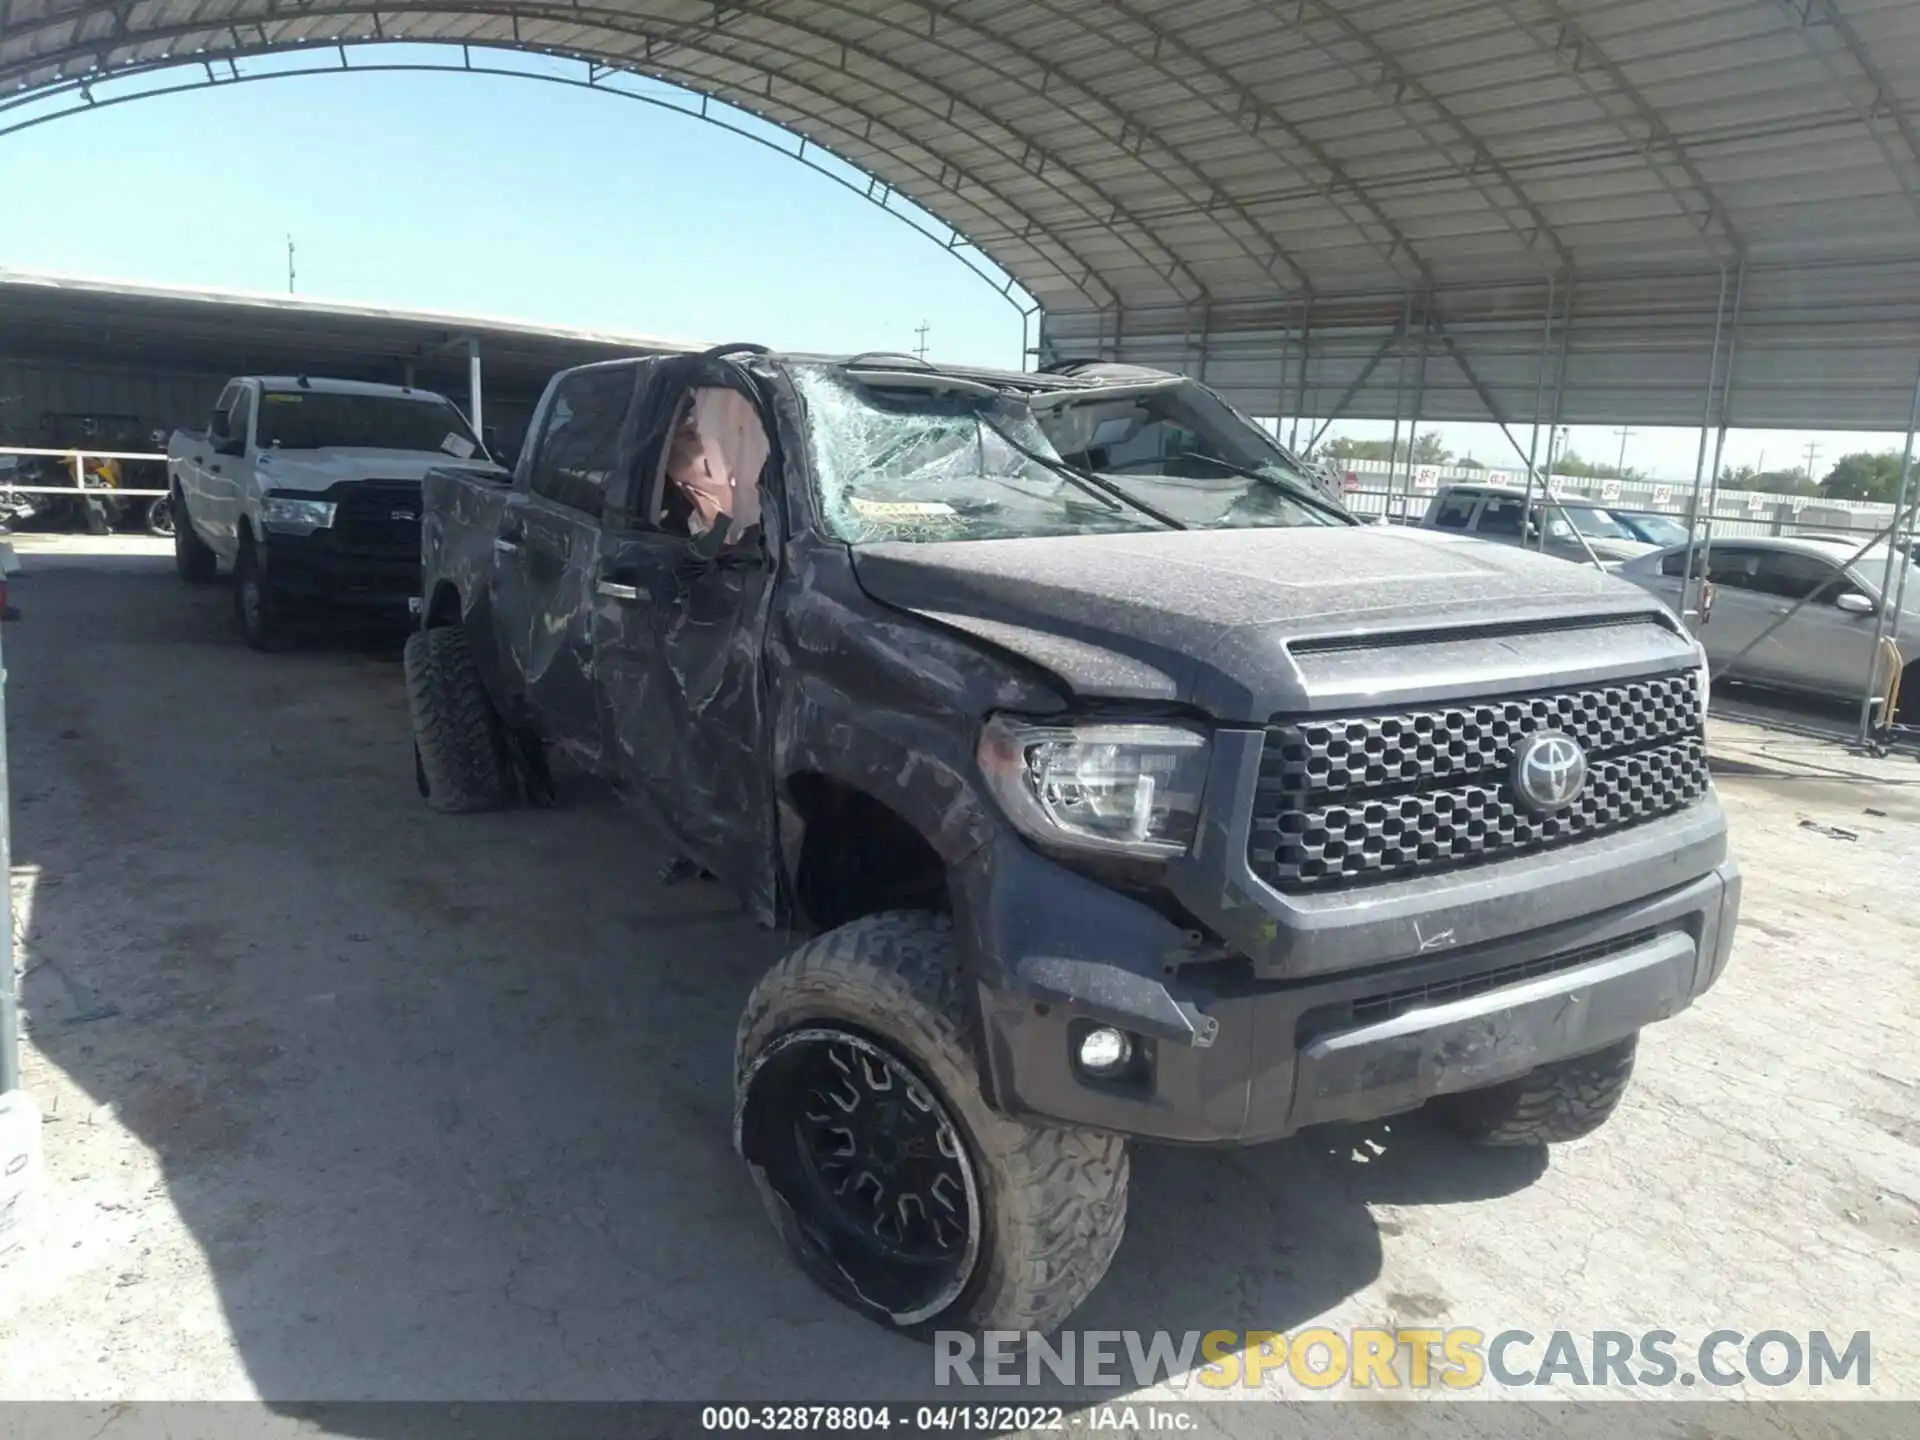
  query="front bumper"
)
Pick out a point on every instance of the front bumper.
point(318, 572)
point(1234, 1052)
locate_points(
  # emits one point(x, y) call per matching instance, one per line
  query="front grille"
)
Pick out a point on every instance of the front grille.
point(378, 517)
point(1371, 797)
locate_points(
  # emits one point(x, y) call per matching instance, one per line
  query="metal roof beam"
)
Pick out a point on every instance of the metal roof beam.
point(1250, 114)
point(1133, 129)
point(1885, 105)
point(1580, 55)
point(1396, 84)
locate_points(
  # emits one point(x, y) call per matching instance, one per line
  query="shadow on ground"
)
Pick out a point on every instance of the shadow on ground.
point(442, 1104)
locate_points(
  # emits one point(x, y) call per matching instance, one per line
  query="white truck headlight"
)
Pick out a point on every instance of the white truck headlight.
point(296, 517)
point(1123, 788)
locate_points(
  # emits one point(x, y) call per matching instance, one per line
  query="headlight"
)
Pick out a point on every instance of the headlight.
point(296, 517)
point(1127, 789)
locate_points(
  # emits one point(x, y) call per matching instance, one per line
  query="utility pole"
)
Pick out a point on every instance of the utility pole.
point(1812, 450)
point(1623, 432)
point(290, 264)
point(921, 331)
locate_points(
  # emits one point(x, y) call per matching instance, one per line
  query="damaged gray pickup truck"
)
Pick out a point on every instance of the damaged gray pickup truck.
point(1125, 786)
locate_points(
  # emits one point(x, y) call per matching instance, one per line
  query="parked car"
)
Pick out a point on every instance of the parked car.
point(1144, 795)
point(1501, 513)
point(1826, 647)
point(1644, 525)
point(309, 490)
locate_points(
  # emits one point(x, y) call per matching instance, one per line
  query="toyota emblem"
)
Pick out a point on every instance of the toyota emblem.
point(1549, 769)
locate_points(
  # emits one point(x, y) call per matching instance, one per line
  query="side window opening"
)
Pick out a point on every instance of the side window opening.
point(1500, 515)
point(1735, 569)
point(712, 464)
point(1455, 512)
point(580, 441)
point(1800, 577)
point(240, 417)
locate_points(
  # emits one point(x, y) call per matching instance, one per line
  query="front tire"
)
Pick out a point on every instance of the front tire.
point(256, 608)
point(195, 562)
point(1549, 1105)
point(459, 747)
point(897, 1187)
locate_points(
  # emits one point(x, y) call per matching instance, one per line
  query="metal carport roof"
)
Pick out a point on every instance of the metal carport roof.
point(1675, 211)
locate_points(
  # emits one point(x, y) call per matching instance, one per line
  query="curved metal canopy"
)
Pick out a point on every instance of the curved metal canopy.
point(1198, 182)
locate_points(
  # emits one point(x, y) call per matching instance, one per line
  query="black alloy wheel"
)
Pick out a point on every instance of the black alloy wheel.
point(875, 1168)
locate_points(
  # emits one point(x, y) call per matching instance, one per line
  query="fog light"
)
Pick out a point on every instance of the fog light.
point(1105, 1050)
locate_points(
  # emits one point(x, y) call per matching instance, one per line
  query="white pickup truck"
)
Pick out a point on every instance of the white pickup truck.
point(308, 490)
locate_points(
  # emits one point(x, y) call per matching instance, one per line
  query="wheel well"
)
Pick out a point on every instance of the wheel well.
point(859, 856)
point(445, 607)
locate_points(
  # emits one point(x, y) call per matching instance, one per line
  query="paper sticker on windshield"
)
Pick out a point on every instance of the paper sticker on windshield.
point(458, 446)
point(901, 509)
point(282, 397)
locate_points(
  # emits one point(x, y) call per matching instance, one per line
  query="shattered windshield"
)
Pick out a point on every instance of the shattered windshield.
point(921, 464)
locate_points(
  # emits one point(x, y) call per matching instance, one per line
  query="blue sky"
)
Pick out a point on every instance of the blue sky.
point(488, 195)
point(508, 197)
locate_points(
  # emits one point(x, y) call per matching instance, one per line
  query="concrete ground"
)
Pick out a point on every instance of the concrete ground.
point(346, 1099)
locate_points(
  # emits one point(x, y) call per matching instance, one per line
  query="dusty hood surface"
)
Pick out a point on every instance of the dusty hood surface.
point(321, 469)
point(1216, 618)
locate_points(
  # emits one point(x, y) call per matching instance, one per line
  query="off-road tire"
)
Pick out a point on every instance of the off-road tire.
point(256, 608)
point(195, 563)
point(459, 749)
point(1549, 1105)
point(1052, 1200)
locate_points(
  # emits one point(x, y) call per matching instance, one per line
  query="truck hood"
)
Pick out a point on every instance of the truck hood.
point(323, 469)
point(1243, 624)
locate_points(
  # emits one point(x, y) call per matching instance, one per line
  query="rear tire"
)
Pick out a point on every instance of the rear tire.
point(977, 1220)
point(1550, 1105)
point(159, 517)
point(256, 608)
point(460, 754)
point(195, 563)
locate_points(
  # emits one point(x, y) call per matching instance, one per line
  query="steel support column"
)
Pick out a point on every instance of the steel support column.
point(1893, 579)
point(1419, 389)
point(1399, 394)
point(1720, 443)
point(1690, 582)
point(1306, 359)
point(473, 387)
point(9, 993)
point(1539, 397)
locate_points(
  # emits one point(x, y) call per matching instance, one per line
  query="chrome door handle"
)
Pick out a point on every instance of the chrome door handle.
point(503, 546)
point(614, 590)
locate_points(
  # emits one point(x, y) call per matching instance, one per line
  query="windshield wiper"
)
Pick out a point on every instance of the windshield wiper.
point(1085, 479)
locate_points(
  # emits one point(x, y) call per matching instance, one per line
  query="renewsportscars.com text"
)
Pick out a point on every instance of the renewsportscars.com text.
point(1459, 1358)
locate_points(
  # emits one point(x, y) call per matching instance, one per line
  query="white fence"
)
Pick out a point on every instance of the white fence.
point(76, 461)
point(1375, 487)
